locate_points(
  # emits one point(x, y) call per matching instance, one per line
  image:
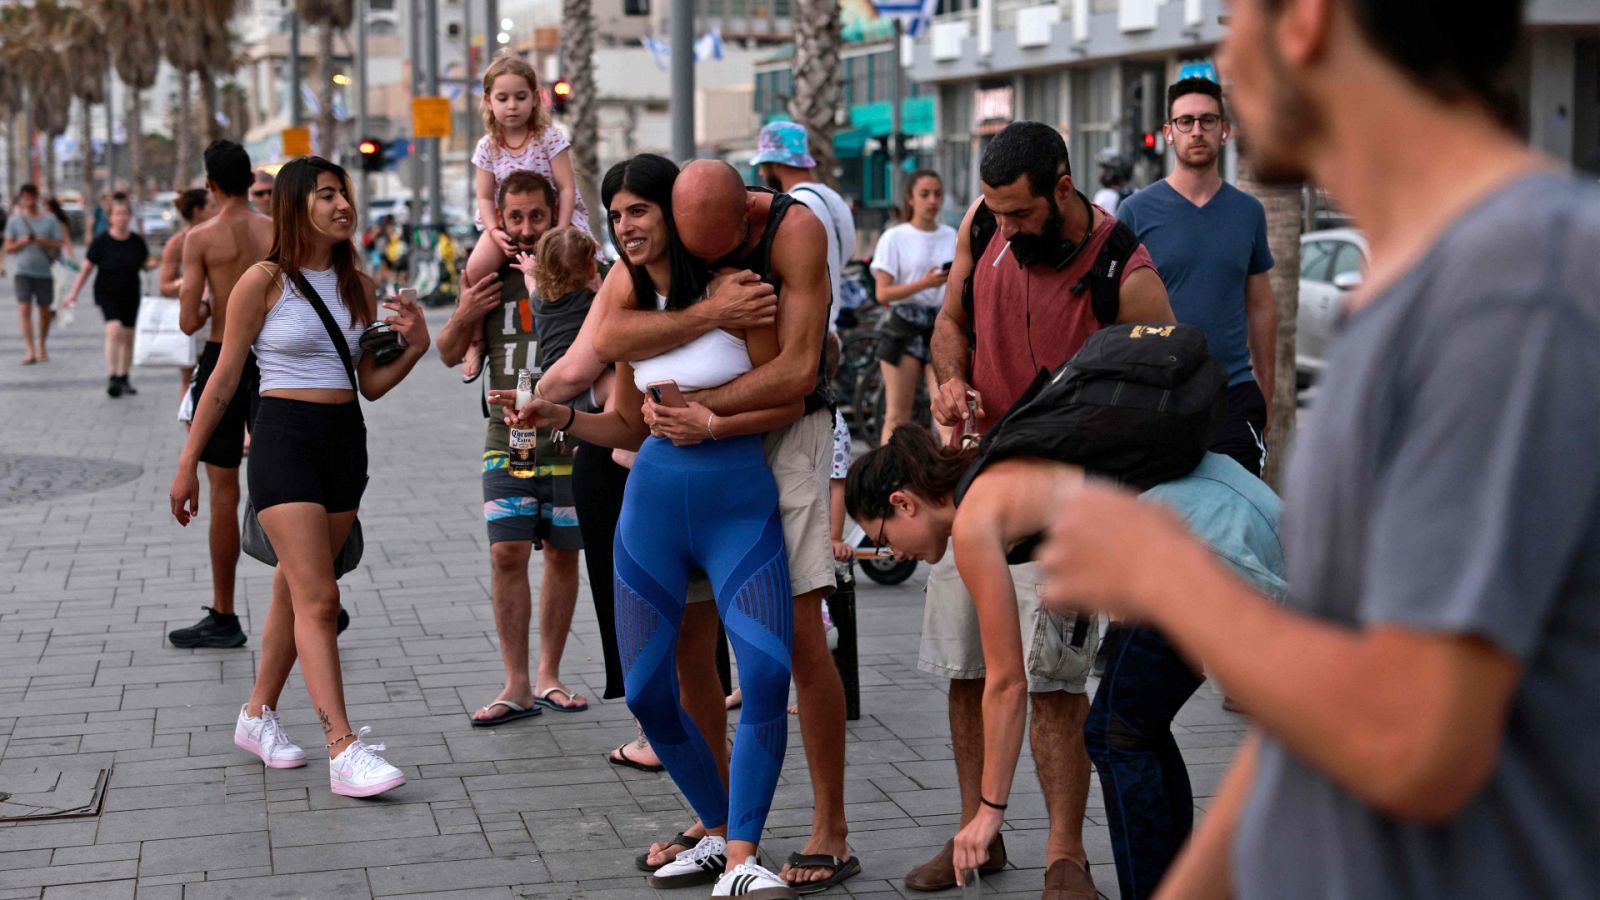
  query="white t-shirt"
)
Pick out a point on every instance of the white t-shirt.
point(1107, 199)
point(834, 212)
point(906, 253)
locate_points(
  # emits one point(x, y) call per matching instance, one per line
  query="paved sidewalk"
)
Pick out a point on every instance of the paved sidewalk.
point(94, 571)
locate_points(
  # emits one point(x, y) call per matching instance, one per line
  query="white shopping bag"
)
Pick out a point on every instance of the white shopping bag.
point(157, 339)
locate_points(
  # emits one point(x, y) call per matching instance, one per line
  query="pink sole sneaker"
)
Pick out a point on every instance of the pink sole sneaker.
point(370, 790)
point(244, 743)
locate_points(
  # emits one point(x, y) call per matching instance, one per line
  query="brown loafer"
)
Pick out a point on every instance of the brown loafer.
point(939, 873)
point(1068, 880)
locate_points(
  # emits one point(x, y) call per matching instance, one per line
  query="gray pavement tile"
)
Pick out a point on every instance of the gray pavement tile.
point(387, 852)
point(25, 859)
point(437, 876)
point(477, 893)
point(182, 822)
point(208, 853)
point(343, 884)
point(46, 834)
point(95, 853)
point(374, 821)
point(105, 890)
point(85, 872)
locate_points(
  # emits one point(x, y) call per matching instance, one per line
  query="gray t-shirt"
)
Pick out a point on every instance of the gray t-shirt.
point(32, 261)
point(1448, 480)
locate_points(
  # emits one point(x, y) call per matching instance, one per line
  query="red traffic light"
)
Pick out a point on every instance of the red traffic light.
point(562, 88)
point(369, 148)
point(1149, 140)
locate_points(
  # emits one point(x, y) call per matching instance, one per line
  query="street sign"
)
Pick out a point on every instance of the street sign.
point(430, 117)
point(296, 142)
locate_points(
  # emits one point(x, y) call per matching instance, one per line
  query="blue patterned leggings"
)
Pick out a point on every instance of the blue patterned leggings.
point(713, 506)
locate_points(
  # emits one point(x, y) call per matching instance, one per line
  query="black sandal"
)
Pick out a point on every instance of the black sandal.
point(842, 869)
point(682, 840)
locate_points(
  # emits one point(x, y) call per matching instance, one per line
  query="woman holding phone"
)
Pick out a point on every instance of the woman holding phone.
point(911, 264)
point(308, 465)
point(710, 505)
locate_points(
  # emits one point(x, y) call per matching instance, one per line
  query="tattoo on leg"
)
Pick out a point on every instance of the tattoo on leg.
point(327, 724)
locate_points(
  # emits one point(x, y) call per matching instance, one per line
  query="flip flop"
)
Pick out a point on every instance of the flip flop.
point(543, 699)
point(518, 711)
point(843, 870)
point(619, 757)
point(682, 840)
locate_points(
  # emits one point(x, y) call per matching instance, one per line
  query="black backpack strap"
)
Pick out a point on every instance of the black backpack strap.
point(982, 231)
point(1105, 277)
point(311, 296)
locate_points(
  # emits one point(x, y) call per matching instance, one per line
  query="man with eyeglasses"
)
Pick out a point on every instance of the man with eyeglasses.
point(261, 192)
point(1209, 242)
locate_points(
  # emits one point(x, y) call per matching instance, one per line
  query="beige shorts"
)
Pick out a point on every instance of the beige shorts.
point(1058, 652)
point(801, 458)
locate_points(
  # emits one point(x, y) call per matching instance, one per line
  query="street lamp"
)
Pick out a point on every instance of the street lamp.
point(503, 38)
point(505, 24)
point(341, 79)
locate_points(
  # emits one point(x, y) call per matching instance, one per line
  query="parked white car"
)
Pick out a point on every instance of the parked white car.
point(1332, 263)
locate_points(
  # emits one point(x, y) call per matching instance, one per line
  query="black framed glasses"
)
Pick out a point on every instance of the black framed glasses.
point(1208, 122)
point(880, 546)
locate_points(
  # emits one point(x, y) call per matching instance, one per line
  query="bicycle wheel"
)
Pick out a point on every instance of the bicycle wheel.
point(856, 354)
point(868, 406)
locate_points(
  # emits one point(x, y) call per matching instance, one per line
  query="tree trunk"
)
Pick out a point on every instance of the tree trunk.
point(49, 184)
point(577, 62)
point(816, 79)
point(133, 125)
point(327, 125)
point(1284, 206)
point(86, 137)
point(183, 133)
point(209, 105)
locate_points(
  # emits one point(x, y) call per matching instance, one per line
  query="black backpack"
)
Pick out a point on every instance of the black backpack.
point(1138, 403)
point(1104, 279)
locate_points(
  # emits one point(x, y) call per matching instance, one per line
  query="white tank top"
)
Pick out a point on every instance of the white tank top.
point(710, 360)
point(293, 349)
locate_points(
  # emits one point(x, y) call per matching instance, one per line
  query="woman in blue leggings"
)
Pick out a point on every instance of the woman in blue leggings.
point(713, 507)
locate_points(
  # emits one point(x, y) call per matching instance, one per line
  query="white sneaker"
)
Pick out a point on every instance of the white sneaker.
point(749, 880)
point(263, 736)
point(360, 772)
point(701, 864)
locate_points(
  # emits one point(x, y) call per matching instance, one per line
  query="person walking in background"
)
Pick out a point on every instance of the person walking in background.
point(1209, 242)
point(120, 256)
point(33, 238)
point(1424, 699)
point(309, 467)
point(911, 264)
point(193, 206)
point(261, 192)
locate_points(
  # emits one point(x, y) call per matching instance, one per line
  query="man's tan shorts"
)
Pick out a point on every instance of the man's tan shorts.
point(801, 457)
point(952, 648)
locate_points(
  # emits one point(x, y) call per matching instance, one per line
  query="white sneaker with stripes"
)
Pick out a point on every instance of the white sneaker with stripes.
point(752, 882)
point(701, 864)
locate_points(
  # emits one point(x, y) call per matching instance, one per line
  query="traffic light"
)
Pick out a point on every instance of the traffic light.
point(371, 150)
point(1150, 142)
point(560, 93)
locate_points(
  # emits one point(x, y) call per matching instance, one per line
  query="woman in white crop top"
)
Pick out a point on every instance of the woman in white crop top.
point(708, 505)
point(308, 460)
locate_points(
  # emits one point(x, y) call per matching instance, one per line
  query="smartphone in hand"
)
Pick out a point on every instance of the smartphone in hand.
point(666, 393)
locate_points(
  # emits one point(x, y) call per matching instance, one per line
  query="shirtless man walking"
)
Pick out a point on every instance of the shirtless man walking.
point(215, 254)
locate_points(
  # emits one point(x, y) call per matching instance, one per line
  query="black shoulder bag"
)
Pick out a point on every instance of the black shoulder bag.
point(252, 538)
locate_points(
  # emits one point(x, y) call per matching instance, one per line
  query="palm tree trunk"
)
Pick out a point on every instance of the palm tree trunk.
point(49, 183)
point(1284, 206)
point(133, 124)
point(578, 63)
point(327, 125)
point(816, 78)
point(86, 139)
point(209, 105)
point(183, 133)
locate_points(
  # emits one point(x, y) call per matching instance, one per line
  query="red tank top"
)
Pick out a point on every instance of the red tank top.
point(1028, 318)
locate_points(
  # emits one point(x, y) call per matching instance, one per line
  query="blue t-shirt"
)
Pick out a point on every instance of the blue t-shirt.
point(1204, 255)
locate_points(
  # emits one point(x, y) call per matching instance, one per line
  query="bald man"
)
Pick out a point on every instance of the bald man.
point(768, 239)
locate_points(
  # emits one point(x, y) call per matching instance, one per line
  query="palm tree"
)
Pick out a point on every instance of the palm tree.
point(133, 52)
point(183, 131)
point(577, 61)
point(816, 78)
point(331, 16)
point(50, 89)
point(1285, 218)
point(88, 61)
point(13, 88)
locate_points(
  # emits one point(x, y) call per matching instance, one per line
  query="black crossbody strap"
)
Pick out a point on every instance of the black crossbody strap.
point(311, 296)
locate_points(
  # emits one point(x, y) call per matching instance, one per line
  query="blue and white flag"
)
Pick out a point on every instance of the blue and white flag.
point(707, 47)
point(308, 98)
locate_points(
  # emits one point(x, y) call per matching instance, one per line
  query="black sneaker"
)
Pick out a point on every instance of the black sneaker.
point(344, 621)
point(115, 387)
point(215, 630)
point(127, 386)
